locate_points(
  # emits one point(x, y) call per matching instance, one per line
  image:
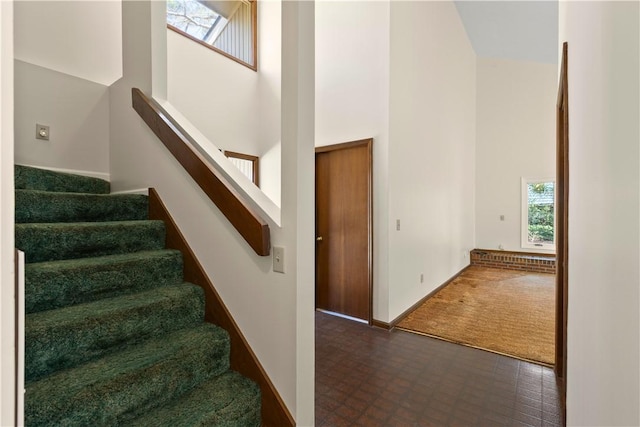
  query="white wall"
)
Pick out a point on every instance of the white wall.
point(603, 371)
point(273, 310)
point(515, 138)
point(431, 149)
point(67, 53)
point(77, 112)
point(269, 96)
point(79, 38)
point(215, 93)
point(235, 107)
point(7, 294)
point(352, 103)
point(271, 173)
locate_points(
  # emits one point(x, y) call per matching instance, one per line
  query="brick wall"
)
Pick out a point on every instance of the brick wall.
point(522, 261)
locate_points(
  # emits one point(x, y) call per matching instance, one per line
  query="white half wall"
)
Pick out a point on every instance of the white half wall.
point(603, 367)
point(75, 109)
point(515, 138)
point(7, 270)
point(274, 311)
point(79, 38)
point(352, 103)
point(431, 149)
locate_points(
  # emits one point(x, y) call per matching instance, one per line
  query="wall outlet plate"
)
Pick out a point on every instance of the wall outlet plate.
point(42, 132)
point(278, 259)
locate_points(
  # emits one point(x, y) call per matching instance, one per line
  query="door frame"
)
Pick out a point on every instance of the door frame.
point(562, 240)
point(342, 146)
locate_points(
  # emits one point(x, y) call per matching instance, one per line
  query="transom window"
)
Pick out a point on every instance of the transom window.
point(538, 213)
point(225, 26)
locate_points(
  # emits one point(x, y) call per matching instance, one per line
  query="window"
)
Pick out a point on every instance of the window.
point(248, 165)
point(224, 26)
point(538, 213)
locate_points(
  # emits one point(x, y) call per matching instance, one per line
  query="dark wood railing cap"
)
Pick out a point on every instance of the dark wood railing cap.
point(233, 206)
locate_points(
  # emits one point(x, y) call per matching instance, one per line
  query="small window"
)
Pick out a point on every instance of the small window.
point(538, 214)
point(224, 26)
point(248, 165)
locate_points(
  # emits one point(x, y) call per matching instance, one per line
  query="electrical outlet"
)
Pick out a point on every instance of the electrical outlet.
point(421, 277)
point(501, 217)
point(42, 132)
point(397, 224)
point(278, 259)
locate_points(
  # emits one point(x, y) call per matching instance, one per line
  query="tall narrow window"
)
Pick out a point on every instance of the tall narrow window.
point(225, 26)
point(538, 214)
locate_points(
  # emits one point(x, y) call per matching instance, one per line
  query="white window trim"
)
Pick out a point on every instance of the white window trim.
point(524, 215)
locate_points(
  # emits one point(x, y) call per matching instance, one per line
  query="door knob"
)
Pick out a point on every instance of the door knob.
point(319, 239)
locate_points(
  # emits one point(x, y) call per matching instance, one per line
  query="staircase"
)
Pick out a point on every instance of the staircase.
point(113, 336)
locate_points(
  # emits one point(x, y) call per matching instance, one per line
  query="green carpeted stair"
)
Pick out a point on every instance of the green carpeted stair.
point(113, 336)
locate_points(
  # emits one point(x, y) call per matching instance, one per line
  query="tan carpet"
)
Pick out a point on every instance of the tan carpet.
point(507, 312)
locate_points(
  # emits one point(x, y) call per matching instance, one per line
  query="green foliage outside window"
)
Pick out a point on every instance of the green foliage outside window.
point(541, 211)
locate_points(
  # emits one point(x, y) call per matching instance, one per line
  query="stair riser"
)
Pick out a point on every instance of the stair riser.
point(29, 178)
point(229, 400)
point(48, 242)
point(59, 284)
point(38, 206)
point(54, 342)
point(129, 393)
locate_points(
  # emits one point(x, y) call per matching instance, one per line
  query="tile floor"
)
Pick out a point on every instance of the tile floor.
point(371, 377)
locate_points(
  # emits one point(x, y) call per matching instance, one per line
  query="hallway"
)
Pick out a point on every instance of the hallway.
point(370, 377)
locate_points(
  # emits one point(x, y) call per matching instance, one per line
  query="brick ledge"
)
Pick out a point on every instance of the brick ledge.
point(511, 260)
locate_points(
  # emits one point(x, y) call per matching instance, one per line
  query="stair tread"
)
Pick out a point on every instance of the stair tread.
point(27, 177)
point(61, 338)
point(129, 383)
point(226, 400)
point(51, 241)
point(37, 206)
point(55, 284)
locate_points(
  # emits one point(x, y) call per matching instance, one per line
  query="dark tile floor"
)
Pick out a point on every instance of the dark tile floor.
point(371, 377)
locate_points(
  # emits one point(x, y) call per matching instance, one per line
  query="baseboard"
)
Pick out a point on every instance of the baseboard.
point(101, 175)
point(405, 313)
point(144, 191)
point(243, 360)
point(381, 324)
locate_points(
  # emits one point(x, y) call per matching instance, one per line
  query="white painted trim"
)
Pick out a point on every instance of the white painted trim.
point(20, 316)
point(524, 237)
point(144, 191)
point(101, 175)
point(8, 370)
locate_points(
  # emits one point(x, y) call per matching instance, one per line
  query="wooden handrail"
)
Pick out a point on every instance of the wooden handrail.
point(249, 224)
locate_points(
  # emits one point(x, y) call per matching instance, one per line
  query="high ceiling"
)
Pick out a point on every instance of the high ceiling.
point(521, 30)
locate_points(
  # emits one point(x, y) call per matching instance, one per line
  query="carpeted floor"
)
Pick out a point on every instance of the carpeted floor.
point(506, 312)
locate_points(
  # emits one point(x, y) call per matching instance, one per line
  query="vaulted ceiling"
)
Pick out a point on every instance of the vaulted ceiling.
point(521, 30)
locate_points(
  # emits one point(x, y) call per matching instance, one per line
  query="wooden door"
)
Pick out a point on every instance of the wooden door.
point(344, 229)
point(562, 225)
